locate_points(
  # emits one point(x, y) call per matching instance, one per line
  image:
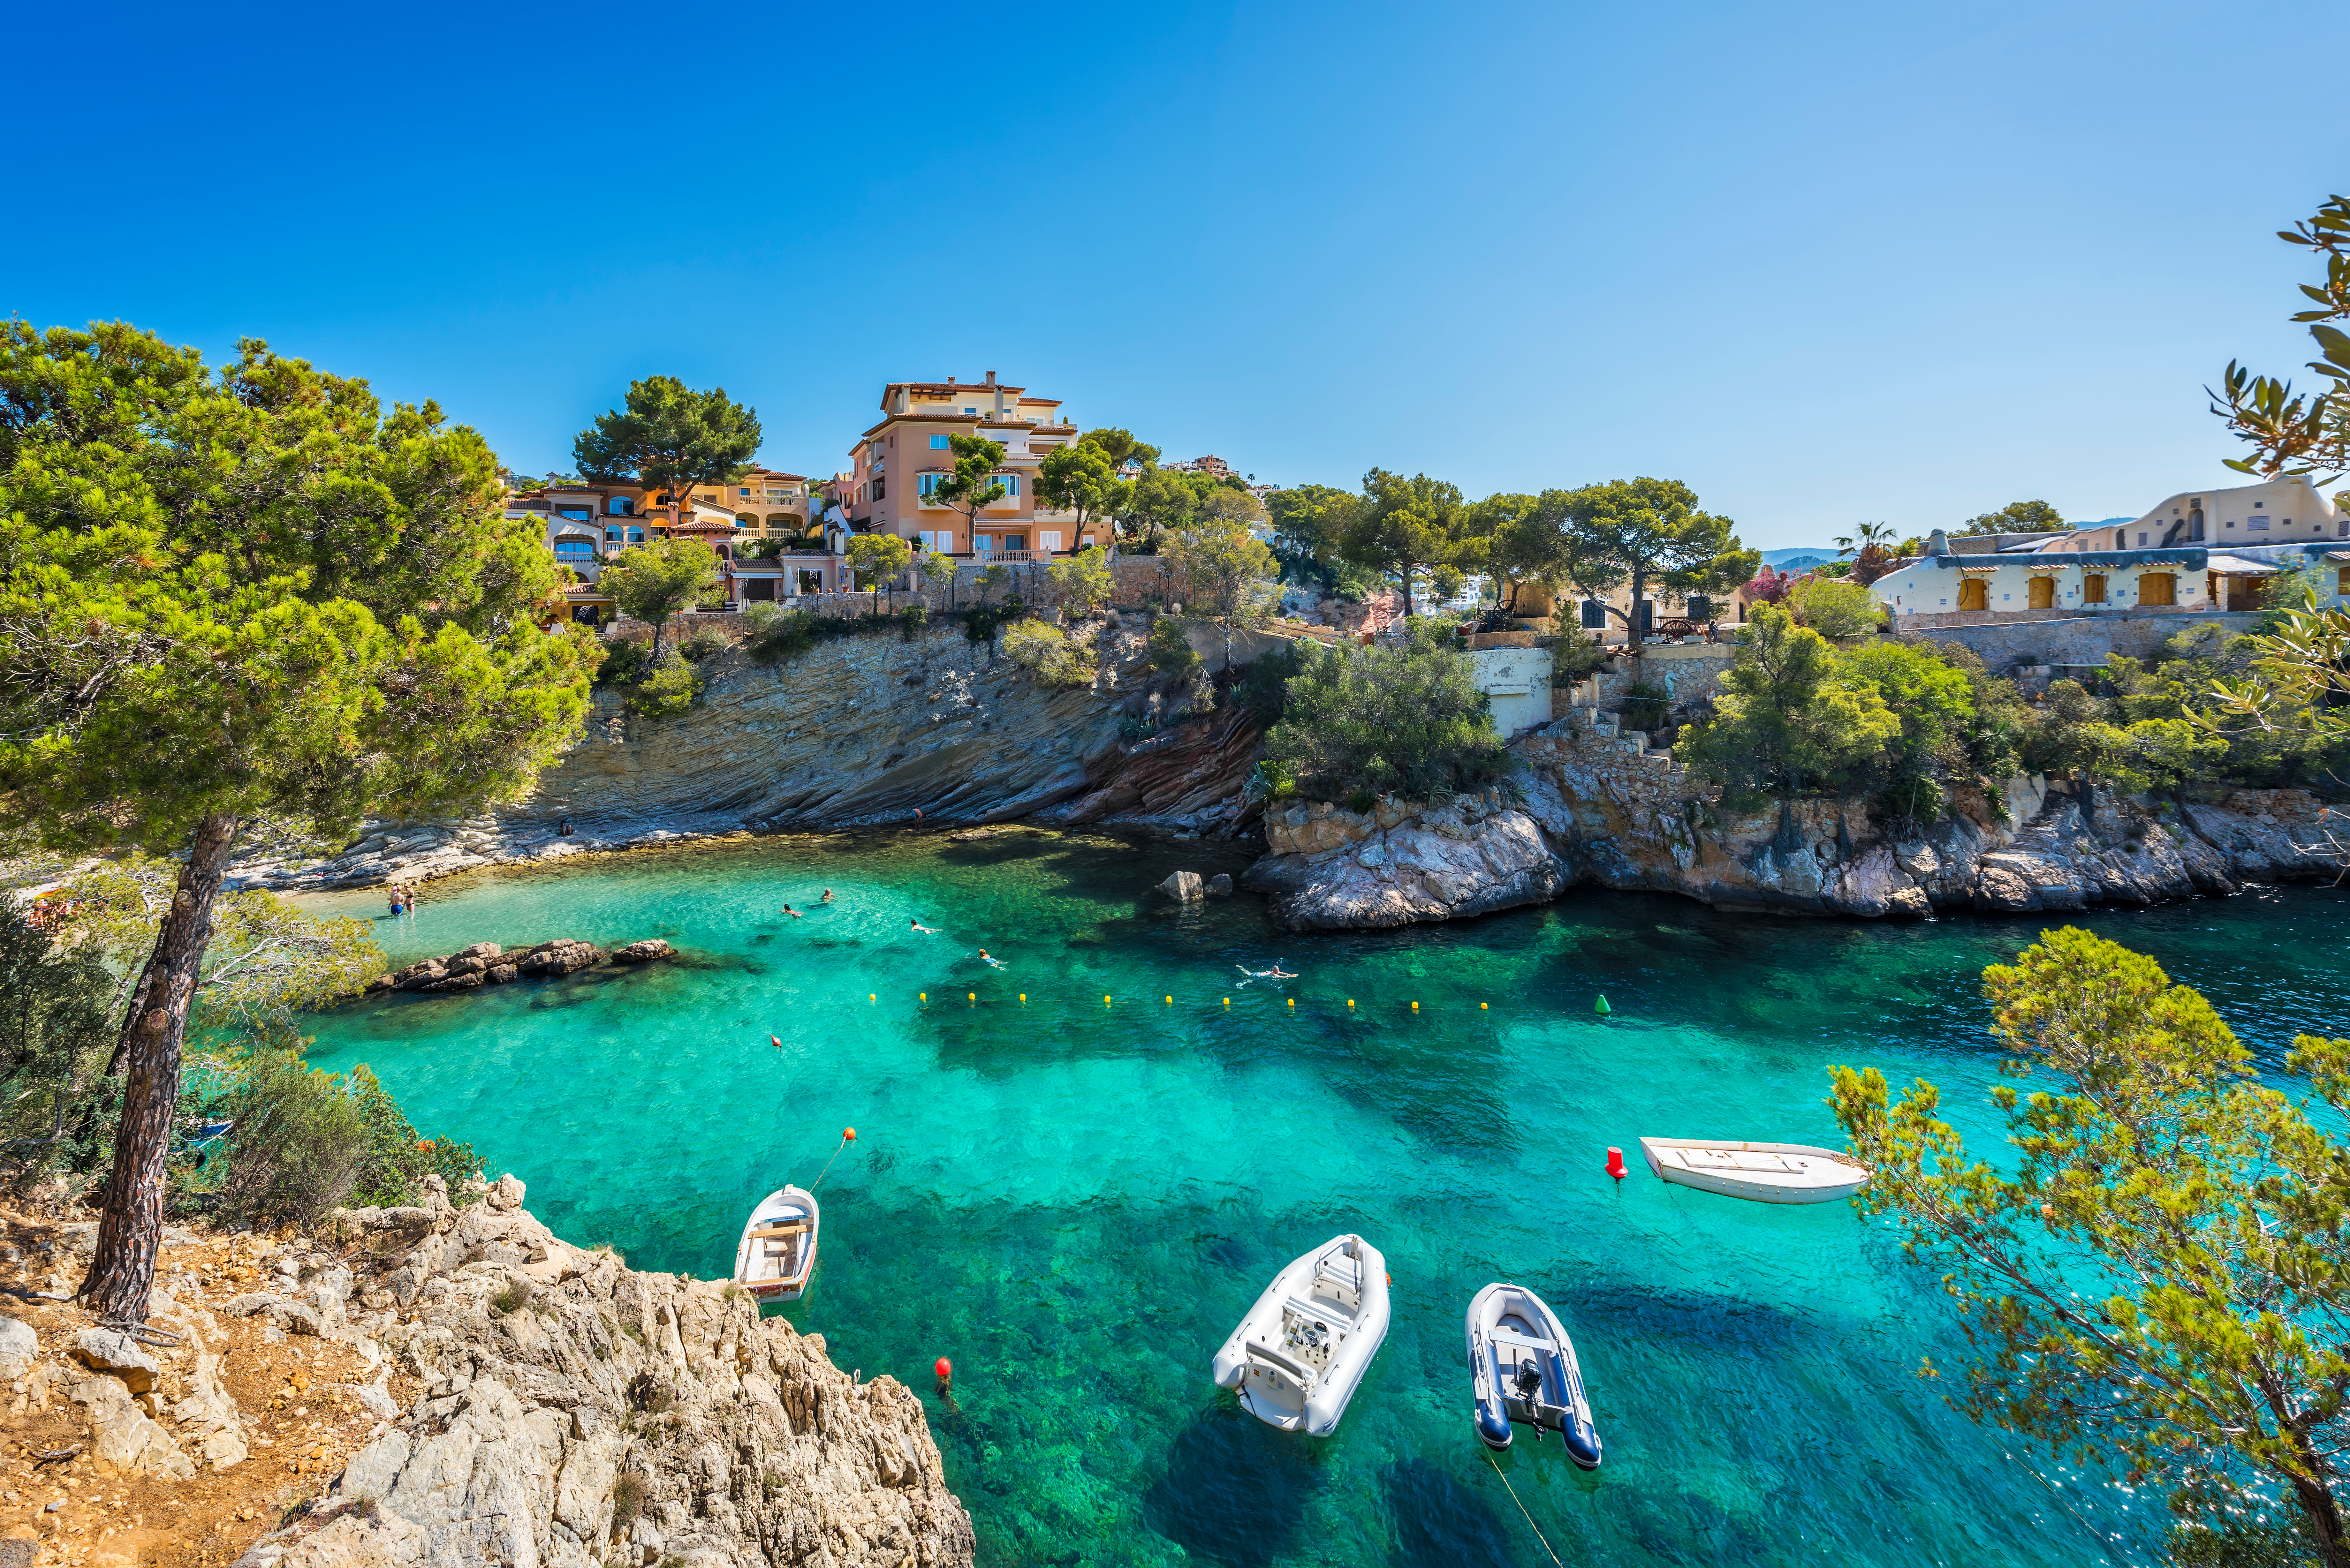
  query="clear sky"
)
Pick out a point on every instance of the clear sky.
point(1824, 261)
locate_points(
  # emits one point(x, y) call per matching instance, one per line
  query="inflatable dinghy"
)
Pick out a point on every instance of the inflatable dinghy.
point(1301, 1352)
point(1522, 1367)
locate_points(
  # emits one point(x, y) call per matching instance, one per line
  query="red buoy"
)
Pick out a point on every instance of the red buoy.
point(1616, 1163)
point(946, 1370)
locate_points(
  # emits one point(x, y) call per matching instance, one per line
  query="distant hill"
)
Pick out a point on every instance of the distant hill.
point(1796, 560)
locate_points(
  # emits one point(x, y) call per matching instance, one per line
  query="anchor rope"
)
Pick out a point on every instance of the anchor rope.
point(827, 1167)
point(1521, 1507)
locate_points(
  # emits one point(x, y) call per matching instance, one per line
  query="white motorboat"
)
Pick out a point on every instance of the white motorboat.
point(1763, 1172)
point(1301, 1352)
point(777, 1255)
point(1522, 1367)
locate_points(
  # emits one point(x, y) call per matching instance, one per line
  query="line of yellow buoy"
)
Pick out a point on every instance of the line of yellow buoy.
point(973, 996)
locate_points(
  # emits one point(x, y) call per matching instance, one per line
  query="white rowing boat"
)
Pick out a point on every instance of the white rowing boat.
point(1761, 1172)
point(1301, 1352)
point(778, 1254)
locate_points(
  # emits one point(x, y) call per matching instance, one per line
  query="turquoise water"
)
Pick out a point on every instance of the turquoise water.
point(1074, 1199)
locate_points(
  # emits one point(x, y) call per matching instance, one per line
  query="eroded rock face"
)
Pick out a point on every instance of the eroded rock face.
point(579, 1414)
point(1604, 809)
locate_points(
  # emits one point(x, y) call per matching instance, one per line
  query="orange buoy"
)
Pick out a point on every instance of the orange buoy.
point(1616, 1163)
point(777, 1044)
point(848, 1134)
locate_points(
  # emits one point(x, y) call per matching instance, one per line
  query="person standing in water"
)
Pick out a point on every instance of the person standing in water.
point(827, 896)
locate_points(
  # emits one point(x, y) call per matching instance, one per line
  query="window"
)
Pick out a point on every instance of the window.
point(927, 484)
point(2141, 539)
point(2195, 524)
point(1010, 485)
point(612, 535)
point(1647, 616)
point(2258, 523)
point(970, 410)
point(576, 513)
point(1594, 615)
point(1016, 541)
point(1049, 539)
point(983, 543)
point(742, 490)
point(939, 442)
point(575, 549)
point(2092, 588)
point(620, 506)
point(881, 490)
point(636, 535)
point(1700, 608)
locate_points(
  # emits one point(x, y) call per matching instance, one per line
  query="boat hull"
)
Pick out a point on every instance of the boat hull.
point(1298, 1356)
point(1523, 1371)
point(1756, 1172)
point(787, 1216)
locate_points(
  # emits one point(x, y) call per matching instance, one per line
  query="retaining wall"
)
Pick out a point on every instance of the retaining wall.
point(2083, 640)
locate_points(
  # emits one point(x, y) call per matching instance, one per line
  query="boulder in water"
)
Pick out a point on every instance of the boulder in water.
point(1185, 886)
point(645, 952)
point(1220, 886)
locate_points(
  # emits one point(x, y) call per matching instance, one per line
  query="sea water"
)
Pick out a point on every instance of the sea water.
point(1075, 1196)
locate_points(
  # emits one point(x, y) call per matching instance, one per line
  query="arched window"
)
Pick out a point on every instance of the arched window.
point(569, 550)
point(636, 535)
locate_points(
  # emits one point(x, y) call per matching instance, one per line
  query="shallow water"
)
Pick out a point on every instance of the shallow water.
point(1076, 1196)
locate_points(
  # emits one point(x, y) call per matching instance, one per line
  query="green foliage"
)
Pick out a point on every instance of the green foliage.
point(1084, 582)
point(1934, 703)
point(703, 643)
point(1837, 610)
point(58, 1007)
point(878, 560)
point(2302, 434)
point(2153, 1277)
point(1082, 478)
point(776, 634)
point(298, 1147)
point(668, 690)
point(1263, 689)
point(981, 624)
point(2015, 517)
point(939, 570)
point(912, 621)
point(667, 436)
point(1171, 650)
point(1047, 653)
point(396, 1159)
point(1640, 534)
point(654, 581)
point(254, 595)
point(1407, 720)
point(1446, 581)
point(972, 485)
point(1790, 720)
point(625, 664)
point(1646, 704)
point(1309, 523)
point(1226, 571)
point(992, 576)
point(1574, 657)
point(1405, 526)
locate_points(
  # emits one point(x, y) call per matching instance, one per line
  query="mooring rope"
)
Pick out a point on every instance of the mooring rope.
point(1521, 1507)
point(828, 1163)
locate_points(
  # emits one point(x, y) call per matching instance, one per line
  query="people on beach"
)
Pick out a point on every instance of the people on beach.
point(563, 829)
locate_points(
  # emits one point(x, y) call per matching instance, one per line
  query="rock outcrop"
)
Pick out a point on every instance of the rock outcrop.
point(647, 952)
point(486, 963)
point(1604, 810)
point(854, 732)
point(1184, 886)
point(576, 1412)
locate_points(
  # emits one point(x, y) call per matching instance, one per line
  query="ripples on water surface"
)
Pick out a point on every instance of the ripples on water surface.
point(1075, 1201)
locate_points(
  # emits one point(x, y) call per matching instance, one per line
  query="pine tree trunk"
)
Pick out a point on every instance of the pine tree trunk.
point(2323, 1518)
point(1632, 622)
point(122, 1267)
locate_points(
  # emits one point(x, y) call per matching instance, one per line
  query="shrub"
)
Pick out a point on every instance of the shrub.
point(1646, 705)
point(1406, 718)
point(1265, 690)
point(1574, 657)
point(776, 633)
point(300, 1144)
point(397, 1160)
point(1833, 609)
point(512, 1299)
point(912, 621)
point(668, 690)
point(878, 558)
point(1046, 653)
point(981, 624)
point(1171, 650)
point(1083, 581)
point(705, 642)
point(628, 1499)
point(624, 664)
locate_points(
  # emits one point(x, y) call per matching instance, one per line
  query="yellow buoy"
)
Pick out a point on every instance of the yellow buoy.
point(1170, 1001)
point(1228, 1002)
point(1105, 1002)
point(1023, 996)
point(926, 996)
point(1293, 1002)
point(871, 997)
point(1484, 1006)
point(1350, 1002)
point(1415, 1007)
point(971, 996)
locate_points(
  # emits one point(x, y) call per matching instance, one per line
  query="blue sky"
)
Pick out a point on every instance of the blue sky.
point(1824, 261)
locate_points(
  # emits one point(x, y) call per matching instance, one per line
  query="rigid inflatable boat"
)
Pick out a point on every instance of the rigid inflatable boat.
point(1522, 1367)
point(777, 1253)
point(1298, 1356)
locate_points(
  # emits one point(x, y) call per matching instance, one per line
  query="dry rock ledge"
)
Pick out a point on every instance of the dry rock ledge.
point(486, 963)
point(1602, 810)
point(578, 1412)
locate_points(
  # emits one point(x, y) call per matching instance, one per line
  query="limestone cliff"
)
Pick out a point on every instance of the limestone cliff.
point(575, 1411)
point(854, 732)
point(1594, 807)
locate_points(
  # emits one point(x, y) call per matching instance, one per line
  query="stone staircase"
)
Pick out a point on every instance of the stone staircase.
point(1610, 727)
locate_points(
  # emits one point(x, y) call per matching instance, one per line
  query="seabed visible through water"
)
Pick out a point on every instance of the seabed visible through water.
point(1075, 1196)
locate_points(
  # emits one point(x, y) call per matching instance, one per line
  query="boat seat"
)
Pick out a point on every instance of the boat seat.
point(1340, 1279)
point(788, 1228)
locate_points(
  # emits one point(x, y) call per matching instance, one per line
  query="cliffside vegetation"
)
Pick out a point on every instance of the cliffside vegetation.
point(1361, 722)
point(243, 598)
point(2152, 1278)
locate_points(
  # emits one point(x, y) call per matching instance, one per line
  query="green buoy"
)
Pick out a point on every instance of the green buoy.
point(1601, 1006)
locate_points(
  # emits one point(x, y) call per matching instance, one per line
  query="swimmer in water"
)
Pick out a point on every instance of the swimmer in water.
point(1275, 972)
point(917, 924)
point(794, 914)
point(827, 896)
point(984, 959)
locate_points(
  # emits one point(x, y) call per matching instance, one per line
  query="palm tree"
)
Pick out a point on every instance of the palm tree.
point(1863, 535)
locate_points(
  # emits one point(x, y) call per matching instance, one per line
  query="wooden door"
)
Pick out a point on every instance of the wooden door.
point(1974, 594)
point(2042, 594)
point(2158, 589)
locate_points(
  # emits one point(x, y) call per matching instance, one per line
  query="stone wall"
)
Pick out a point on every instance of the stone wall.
point(2083, 639)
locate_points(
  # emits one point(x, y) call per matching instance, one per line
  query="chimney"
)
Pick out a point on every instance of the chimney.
point(991, 378)
point(950, 381)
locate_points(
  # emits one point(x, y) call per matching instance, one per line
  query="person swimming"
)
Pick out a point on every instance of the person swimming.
point(984, 959)
point(1275, 972)
point(917, 924)
point(794, 914)
point(827, 896)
